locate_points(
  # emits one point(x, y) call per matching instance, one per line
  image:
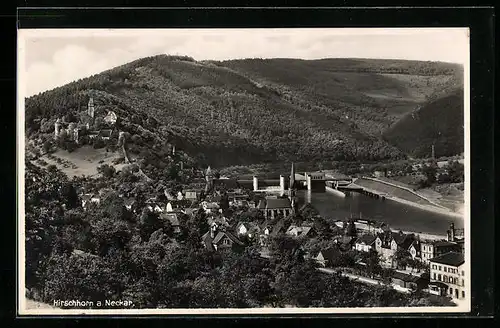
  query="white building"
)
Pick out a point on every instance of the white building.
point(447, 275)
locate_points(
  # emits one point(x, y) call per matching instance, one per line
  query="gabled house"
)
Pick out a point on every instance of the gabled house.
point(247, 229)
point(218, 221)
point(415, 249)
point(219, 239)
point(365, 243)
point(388, 243)
point(327, 256)
point(300, 232)
point(110, 118)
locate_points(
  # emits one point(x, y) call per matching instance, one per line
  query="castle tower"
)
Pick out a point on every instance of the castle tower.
point(57, 128)
point(91, 108)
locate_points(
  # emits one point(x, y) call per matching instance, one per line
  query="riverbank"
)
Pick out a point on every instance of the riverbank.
point(405, 196)
point(430, 208)
point(447, 195)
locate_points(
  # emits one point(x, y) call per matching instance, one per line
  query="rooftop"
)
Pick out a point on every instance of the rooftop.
point(278, 203)
point(405, 277)
point(450, 258)
point(329, 253)
point(367, 239)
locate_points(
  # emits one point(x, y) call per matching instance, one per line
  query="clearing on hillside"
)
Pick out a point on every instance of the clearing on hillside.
point(83, 161)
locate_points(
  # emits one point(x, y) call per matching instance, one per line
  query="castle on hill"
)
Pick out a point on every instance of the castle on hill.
point(86, 125)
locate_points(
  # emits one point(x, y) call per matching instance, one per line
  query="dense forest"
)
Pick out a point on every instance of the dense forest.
point(254, 111)
point(439, 123)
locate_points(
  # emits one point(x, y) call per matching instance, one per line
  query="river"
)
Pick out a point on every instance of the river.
point(398, 216)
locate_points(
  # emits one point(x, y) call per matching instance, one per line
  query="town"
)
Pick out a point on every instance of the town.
point(237, 214)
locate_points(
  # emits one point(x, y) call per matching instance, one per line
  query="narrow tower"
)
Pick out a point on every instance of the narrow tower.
point(57, 128)
point(292, 178)
point(91, 108)
point(209, 179)
point(433, 154)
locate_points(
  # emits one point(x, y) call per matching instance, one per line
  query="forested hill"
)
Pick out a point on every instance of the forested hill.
point(250, 111)
point(439, 122)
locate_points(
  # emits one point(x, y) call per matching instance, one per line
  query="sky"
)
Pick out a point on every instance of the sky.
point(51, 58)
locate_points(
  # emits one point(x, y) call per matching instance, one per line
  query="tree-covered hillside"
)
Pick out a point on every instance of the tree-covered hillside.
point(252, 111)
point(439, 122)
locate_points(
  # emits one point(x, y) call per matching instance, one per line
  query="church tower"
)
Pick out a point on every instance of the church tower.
point(91, 108)
point(210, 180)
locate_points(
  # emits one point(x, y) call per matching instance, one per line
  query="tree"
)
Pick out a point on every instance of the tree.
point(455, 171)
point(372, 261)
point(69, 195)
point(106, 170)
point(401, 257)
point(351, 229)
point(430, 172)
point(149, 223)
point(47, 146)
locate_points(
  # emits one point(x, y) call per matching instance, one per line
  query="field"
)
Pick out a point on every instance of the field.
point(83, 161)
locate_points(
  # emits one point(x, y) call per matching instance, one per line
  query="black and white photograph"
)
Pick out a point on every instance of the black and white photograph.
point(243, 171)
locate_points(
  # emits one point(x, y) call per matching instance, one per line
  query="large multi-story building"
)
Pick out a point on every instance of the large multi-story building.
point(447, 275)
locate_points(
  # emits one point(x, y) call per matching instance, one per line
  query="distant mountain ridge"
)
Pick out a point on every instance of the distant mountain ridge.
point(258, 110)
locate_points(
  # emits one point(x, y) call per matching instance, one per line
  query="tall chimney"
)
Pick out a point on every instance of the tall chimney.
point(282, 183)
point(452, 232)
point(292, 177)
point(255, 184)
point(433, 152)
